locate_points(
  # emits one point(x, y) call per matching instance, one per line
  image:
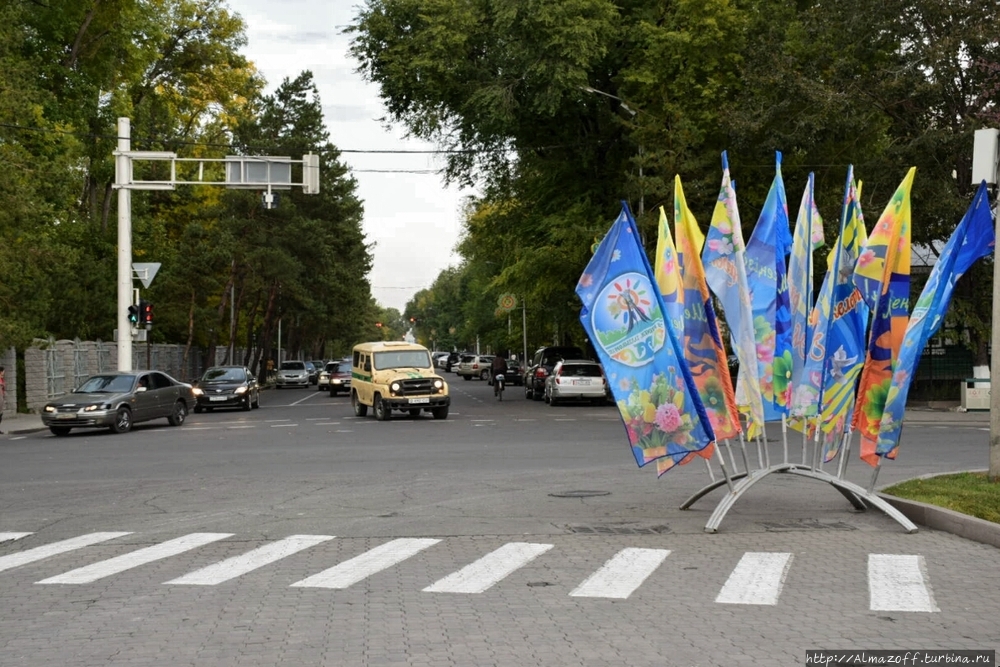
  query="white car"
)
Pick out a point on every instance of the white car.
point(576, 380)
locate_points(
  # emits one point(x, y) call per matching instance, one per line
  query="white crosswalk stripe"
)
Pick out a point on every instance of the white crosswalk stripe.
point(259, 557)
point(757, 579)
point(620, 576)
point(106, 568)
point(38, 553)
point(491, 568)
point(897, 583)
point(360, 567)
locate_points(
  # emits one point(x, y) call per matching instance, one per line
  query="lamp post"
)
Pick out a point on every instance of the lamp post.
point(632, 114)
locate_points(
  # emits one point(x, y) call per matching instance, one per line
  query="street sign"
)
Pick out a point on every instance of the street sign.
point(145, 271)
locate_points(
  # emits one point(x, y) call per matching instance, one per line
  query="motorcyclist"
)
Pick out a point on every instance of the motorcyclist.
point(498, 367)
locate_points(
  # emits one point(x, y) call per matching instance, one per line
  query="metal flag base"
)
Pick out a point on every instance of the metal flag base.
point(860, 498)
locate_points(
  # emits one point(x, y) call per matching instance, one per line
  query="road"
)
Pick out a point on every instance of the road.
point(511, 533)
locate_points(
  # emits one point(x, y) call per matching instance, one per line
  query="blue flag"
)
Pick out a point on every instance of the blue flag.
point(767, 276)
point(974, 238)
point(623, 314)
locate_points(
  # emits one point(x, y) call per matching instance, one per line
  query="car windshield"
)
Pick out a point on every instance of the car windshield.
point(292, 366)
point(101, 384)
point(402, 359)
point(224, 375)
point(340, 368)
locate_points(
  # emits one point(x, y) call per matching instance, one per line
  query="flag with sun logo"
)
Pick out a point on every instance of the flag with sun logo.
point(767, 276)
point(623, 314)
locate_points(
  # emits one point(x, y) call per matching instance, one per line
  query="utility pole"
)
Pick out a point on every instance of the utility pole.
point(243, 172)
point(984, 168)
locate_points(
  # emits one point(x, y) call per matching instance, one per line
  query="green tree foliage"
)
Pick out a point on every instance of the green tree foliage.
point(559, 109)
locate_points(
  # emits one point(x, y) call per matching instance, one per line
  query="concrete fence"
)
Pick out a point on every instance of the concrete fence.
point(55, 367)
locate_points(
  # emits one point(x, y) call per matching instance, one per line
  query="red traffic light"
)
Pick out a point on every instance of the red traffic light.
point(145, 312)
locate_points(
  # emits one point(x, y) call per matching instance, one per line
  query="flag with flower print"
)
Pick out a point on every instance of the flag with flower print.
point(624, 316)
point(704, 349)
point(766, 254)
point(725, 272)
point(883, 271)
point(808, 237)
point(973, 238)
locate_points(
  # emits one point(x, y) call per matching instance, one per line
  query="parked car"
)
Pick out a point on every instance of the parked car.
point(292, 374)
point(475, 366)
point(440, 359)
point(226, 387)
point(541, 366)
point(576, 380)
point(512, 376)
point(340, 376)
point(118, 400)
point(451, 363)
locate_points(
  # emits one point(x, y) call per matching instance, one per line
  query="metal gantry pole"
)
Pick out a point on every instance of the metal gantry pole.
point(123, 167)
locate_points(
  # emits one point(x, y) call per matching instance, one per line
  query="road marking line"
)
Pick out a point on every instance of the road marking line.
point(251, 560)
point(371, 562)
point(201, 428)
point(231, 428)
point(488, 570)
point(106, 568)
point(38, 553)
point(303, 400)
point(620, 576)
point(270, 421)
point(757, 579)
point(899, 583)
point(281, 425)
point(7, 537)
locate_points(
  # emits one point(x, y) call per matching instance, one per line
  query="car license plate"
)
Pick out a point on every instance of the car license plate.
point(66, 415)
point(417, 401)
point(216, 398)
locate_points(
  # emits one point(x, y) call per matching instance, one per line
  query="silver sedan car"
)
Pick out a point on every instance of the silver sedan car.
point(118, 400)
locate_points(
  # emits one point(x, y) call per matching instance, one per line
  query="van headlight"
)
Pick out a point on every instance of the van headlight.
point(439, 384)
point(394, 387)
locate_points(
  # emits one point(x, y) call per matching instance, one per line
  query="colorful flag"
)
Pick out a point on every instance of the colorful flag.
point(838, 322)
point(767, 249)
point(623, 315)
point(807, 238)
point(704, 350)
point(668, 275)
point(883, 271)
point(726, 274)
point(973, 238)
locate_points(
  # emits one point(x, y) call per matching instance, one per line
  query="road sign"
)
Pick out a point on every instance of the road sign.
point(145, 271)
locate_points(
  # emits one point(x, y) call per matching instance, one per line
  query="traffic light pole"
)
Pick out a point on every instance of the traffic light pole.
point(123, 166)
point(125, 183)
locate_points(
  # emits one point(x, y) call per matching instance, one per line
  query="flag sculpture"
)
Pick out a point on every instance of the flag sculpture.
point(624, 316)
point(725, 271)
point(882, 275)
point(767, 275)
point(973, 239)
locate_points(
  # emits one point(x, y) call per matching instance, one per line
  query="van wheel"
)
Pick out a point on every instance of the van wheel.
point(440, 413)
point(360, 409)
point(381, 410)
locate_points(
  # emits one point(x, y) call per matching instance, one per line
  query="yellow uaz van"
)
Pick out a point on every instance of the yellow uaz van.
point(395, 375)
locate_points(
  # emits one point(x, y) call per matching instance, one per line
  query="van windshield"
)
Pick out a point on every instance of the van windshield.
point(402, 359)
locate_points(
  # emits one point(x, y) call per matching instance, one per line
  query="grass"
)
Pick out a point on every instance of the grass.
point(968, 492)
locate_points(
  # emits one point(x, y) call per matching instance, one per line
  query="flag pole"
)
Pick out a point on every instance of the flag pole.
point(784, 438)
point(878, 466)
point(845, 451)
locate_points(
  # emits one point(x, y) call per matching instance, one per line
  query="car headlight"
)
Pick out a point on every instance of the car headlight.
point(240, 391)
point(50, 408)
point(197, 392)
point(394, 387)
point(439, 384)
point(337, 381)
point(91, 408)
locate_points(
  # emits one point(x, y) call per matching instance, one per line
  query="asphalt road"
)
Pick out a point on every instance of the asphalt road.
point(511, 533)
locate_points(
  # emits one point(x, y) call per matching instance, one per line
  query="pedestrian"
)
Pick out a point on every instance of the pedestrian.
point(3, 393)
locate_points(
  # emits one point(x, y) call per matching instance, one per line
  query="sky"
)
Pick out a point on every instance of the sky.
point(412, 219)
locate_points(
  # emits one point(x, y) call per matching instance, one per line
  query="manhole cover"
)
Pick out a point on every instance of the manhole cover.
point(580, 494)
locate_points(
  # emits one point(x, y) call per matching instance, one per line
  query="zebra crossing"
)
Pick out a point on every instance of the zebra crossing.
point(896, 582)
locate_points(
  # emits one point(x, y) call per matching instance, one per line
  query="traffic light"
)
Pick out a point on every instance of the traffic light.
point(378, 324)
point(133, 314)
point(145, 313)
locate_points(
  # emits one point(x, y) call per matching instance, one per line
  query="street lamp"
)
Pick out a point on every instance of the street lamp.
point(632, 114)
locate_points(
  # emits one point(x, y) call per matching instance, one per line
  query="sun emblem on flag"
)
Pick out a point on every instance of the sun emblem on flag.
point(629, 302)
